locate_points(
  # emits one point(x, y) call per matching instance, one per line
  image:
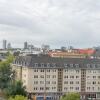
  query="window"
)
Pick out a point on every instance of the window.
point(94, 77)
point(41, 88)
point(53, 82)
point(42, 70)
point(42, 76)
point(77, 82)
point(35, 82)
point(76, 65)
point(66, 65)
point(54, 76)
point(88, 88)
point(98, 82)
point(35, 88)
point(93, 66)
point(99, 77)
point(35, 70)
point(94, 82)
point(71, 82)
point(77, 88)
point(66, 70)
point(89, 71)
point(48, 64)
point(92, 88)
point(53, 88)
point(99, 88)
point(65, 76)
point(71, 65)
point(66, 82)
point(48, 76)
point(71, 88)
point(36, 64)
point(71, 76)
point(42, 64)
point(77, 71)
point(88, 65)
point(48, 70)
point(47, 88)
point(35, 76)
point(54, 70)
point(41, 82)
point(53, 64)
point(94, 71)
point(65, 88)
point(77, 76)
point(47, 82)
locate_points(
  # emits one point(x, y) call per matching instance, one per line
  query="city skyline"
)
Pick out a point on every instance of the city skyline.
point(57, 23)
point(22, 45)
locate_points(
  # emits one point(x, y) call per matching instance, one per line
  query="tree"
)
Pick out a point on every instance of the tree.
point(6, 72)
point(16, 89)
point(71, 96)
point(18, 97)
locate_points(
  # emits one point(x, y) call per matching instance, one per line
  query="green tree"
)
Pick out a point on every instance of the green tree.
point(6, 74)
point(18, 97)
point(16, 89)
point(71, 96)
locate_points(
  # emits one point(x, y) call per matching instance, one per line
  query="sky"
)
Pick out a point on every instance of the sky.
point(54, 22)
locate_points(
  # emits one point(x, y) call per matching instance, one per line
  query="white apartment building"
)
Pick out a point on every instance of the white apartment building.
point(54, 77)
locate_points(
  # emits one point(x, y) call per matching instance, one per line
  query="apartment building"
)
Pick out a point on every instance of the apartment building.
point(54, 77)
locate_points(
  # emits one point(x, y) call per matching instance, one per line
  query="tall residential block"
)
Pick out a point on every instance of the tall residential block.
point(25, 45)
point(4, 44)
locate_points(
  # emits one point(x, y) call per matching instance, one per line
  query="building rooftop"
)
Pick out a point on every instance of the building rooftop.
point(46, 61)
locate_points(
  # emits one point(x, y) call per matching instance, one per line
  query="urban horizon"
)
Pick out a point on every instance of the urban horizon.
point(52, 46)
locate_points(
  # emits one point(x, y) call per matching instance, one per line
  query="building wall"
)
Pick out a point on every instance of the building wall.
point(92, 80)
point(40, 81)
point(71, 80)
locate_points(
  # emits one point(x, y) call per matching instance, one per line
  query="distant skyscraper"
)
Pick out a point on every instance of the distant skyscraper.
point(25, 45)
point(4, 44)
point(9, 46)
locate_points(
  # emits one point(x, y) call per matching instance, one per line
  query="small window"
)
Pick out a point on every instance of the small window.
point(94, 82)
point(42, 64)
point(71, 82)
point(77, 76)
point(48, 64)
point(36, 64)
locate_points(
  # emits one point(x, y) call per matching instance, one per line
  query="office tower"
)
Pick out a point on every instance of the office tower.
point(9, 46)
point(25, 45)
point(4, 44)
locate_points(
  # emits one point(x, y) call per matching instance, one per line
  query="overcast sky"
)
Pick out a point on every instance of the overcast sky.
point(54, 22)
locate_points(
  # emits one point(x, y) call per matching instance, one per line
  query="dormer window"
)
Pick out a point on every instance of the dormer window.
point(88, 65)
point(93, 65)
point(42, 64)
point(53, 64)
point(66, 65)
point(71, 65)
point(77, 65)
point(36, 64)
point(48, 64)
